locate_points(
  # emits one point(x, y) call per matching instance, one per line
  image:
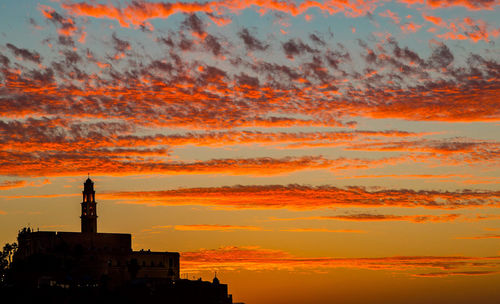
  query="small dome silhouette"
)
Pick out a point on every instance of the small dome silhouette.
point(215, 280)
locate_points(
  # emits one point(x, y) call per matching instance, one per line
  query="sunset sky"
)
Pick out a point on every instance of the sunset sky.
point(306, 151)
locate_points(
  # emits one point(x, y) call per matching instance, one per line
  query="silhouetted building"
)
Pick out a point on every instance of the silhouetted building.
point(91, 257)
point(89, 210)
point(90, 260)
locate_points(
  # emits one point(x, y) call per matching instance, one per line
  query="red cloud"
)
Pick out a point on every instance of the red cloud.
point(383, 217)
point(174, 93)
point(410, 27)
point(66, 26)
point(5, 185)
point(453, 151)
point(434, 19)
point(307, 197)
point(368, 217)
point(469, 28)
point(470, 4)
point(116, 162)
point(256, 258)
point(392, 15)
point(138, 13)
point(454, 273)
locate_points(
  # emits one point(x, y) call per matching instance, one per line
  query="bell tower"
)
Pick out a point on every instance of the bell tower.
point(89, 211)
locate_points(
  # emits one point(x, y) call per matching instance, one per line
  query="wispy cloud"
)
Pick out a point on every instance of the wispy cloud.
point(5, 185)
point(367, 217)
point(140, 13)
point(257, 258)
point(215, 227)
point(308, 197)
point(323, 230)
point(480, 237)
point(454, 273)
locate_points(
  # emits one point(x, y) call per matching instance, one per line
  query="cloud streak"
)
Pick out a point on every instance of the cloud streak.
point(308, 197)
point(215, 227)
point(454, 273)
point(323, 230)
point(119, 162)
point(480, 237)
point(256, 258)
point(140, 12)
point(366, 217)
point(5, 185)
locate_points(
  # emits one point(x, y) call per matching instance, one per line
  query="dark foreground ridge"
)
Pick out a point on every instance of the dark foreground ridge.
point(87, 266)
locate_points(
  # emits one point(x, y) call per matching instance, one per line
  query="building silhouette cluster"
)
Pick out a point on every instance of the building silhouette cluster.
point(64, 264)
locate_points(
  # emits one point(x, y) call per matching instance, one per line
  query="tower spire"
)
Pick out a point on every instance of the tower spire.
point(89, 210)
point(216, 280)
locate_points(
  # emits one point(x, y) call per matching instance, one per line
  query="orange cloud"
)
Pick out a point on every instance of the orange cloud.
point(384, 217)
point(409, 176)
point(37, 196)
point(114, 138)
point(5, 185)
point(410, 27)
point(480, 237)
point(66, 26)
point(392, 15)
point(215, 227)
point(491, 229)
point(368, 217)
point(56, 165)
point(138, 13)
point(113, 144)
point(454, 273)
point(156, 92)
point(219, 20)
point(62, 143)
point(307, 197)
point(434, 19)
point(469, 4)
point(472, 29)
point(323, 230)
point(256, 258)
point(451, 151)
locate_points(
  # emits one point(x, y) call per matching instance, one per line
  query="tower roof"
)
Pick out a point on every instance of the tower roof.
point(88, 181)
point(216, 280)
point(88, 186)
